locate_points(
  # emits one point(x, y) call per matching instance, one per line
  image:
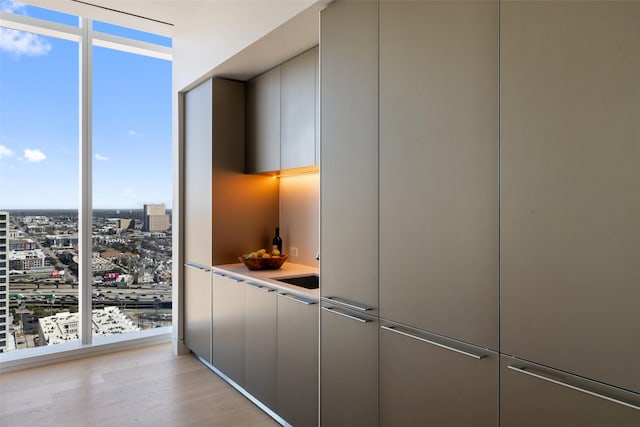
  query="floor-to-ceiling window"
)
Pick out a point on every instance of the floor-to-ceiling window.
point(85, 156)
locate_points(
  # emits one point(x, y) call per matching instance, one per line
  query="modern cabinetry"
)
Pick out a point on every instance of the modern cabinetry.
point(429, 380)
point(197, 316)
point(260, 341)
point(263, 122)
point(349, 179)
point(228, 326)
point(570, 201)
point(298, 78)
point(297, 382)
point(534, 396)
point(438, 169)
point(349, 367)
point(198, 113)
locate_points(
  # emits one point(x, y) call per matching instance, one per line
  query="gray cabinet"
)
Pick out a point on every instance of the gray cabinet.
point(349, 179)
point(429, 380)
point(197, 310)
point(439, 167)
point(298, 102)
point(263, 123)
point(198, 116)
point(297, 382)
point(349, 368)
point(533, 396)
point(570, 235)
point(228, 326)
point(260, 340)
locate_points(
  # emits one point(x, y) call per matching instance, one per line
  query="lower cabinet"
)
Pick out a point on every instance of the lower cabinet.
point(228, 326)
point(532, 395)
point(197, 310)
point(428, 380)
point(297, 382)
point(260, 340)
point(348, 368)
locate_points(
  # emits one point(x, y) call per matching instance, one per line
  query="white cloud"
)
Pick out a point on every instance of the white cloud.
point(101, 157)
point(5, 151)
point(11, 6)
point(34, 156)
point(19, 43)
point(134, 133)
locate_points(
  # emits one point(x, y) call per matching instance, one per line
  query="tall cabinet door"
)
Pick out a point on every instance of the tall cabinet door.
point(439, 167)
point(349, 179)
point(427, 380)
point(198, 116)
point(570, 181)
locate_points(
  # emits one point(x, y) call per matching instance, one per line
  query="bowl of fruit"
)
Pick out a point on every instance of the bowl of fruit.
point(263, 260)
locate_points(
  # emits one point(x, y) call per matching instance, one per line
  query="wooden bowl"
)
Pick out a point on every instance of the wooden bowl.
point(264, 263)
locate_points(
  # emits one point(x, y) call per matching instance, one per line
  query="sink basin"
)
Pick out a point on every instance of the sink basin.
point(309, 282)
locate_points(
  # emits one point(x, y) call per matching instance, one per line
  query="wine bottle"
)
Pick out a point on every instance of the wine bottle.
point(277, 241)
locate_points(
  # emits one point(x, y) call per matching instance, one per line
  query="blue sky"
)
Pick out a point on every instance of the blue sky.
point(39, 123)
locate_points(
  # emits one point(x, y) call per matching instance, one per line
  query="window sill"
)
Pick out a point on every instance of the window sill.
point(46, 355)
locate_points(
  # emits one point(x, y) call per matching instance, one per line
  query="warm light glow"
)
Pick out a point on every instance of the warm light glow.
point(298, 171)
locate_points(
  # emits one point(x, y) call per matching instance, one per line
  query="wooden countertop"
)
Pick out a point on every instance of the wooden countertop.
point(288, 269)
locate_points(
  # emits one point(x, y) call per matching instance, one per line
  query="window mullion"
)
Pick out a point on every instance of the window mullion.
point(85, 215)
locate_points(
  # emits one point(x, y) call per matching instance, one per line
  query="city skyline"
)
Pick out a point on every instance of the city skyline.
point(39, 123)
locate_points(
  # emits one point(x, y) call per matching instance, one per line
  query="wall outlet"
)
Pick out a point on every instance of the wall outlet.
point(293, 251)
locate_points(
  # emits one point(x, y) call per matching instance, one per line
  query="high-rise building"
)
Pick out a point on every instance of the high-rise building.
point(4, 280)
point(155, 218)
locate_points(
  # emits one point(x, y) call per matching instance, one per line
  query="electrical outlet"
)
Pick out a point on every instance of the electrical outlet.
point(293, 251)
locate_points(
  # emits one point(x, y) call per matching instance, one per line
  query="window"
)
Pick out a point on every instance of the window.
point(45, 104)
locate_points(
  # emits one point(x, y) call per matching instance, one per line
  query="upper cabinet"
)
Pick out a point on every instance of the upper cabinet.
point(439, 167)
point(263, 122)
point(298, 110)
point(281, 114)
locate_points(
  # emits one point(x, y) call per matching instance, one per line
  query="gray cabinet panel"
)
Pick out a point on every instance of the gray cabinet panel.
point(298, 110)
point(422, 384)
point(260, 340)
point(297, 383)
point(349, 179)
point(198, 116)
point(348, 368)
point(228, 327)
point(570, 201)
point(439, 167)
point(197, 311)
point(528, 398)
point(263, 123)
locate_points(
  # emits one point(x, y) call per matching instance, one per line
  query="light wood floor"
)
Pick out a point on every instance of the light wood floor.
point(142, 387)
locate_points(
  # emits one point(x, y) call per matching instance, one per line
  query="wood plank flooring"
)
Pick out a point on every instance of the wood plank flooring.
point(143, 387)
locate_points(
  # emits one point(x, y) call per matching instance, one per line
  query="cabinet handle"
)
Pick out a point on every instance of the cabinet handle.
point(297, 299)
point(197, 267)
point(349, 304)
point(217, 273)
point(261, 287)
point(437, 344)
point(572, 387)
point(348, 316)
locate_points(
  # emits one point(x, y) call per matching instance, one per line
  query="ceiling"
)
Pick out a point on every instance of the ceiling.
point(155, 16)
